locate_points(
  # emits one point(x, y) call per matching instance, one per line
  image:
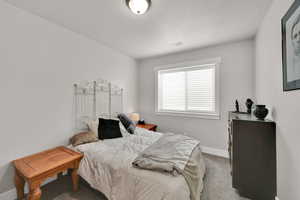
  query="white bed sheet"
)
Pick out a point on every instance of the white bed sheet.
point(107, 167)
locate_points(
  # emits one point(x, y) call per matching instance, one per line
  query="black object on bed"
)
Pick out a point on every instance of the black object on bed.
point(127, 123)
point(108, 129)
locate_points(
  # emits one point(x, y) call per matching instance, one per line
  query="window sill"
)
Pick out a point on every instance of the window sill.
point(186, 114)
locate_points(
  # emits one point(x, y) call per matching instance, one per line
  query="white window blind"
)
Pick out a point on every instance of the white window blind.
point(187, 90)
point(201, 90)
point(173, 91)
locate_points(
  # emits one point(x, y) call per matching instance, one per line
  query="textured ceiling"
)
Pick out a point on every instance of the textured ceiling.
point(169, 26)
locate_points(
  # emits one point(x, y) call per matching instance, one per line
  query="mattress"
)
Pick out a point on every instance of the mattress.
point(107, 167)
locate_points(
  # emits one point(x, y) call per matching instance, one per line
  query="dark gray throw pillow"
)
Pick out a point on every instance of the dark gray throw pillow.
point(108, 129)
point(127, 123)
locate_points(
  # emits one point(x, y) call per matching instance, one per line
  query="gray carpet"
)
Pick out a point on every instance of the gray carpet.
point(217, 185)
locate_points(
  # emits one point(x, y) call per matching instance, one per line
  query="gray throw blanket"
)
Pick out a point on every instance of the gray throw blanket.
point(175, 154)
point(194, 172)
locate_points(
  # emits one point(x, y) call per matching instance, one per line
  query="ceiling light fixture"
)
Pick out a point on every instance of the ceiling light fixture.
point(138, 7)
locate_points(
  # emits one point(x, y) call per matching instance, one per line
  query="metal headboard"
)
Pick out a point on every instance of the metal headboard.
point(95, 99)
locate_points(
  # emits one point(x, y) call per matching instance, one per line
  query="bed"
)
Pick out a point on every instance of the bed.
point(107, 167)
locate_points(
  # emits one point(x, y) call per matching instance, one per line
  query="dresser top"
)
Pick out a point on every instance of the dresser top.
point(246, 117)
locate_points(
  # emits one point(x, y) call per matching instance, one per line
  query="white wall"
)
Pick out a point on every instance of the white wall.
point(39, 62)
point(285, 106)
point(236, 73)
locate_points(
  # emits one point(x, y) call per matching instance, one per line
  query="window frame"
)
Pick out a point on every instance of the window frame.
point(184, 67)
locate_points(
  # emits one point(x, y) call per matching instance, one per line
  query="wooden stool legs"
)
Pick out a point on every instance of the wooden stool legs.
point(19, 183)
point(34, 188)
point(75, 179)
point(35, 194)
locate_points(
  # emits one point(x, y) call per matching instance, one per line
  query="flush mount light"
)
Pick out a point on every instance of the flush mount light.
point(138, 7)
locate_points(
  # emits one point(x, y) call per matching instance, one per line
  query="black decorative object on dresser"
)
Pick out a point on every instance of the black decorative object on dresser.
point(249, 104)
point(252, 150)
point(261, 112)
point(237, 106)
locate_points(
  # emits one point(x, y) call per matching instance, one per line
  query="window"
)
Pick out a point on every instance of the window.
point(189, 89)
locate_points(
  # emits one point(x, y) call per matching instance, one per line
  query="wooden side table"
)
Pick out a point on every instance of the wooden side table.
point(36, 168)
point(150, 127)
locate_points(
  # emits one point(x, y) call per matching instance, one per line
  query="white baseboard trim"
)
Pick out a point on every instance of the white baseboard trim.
point(215, 152)
point(12, 194)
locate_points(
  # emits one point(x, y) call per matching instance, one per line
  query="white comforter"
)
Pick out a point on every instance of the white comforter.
point(107, 167)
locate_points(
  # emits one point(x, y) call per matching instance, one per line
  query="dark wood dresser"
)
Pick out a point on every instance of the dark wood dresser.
point(252, 150)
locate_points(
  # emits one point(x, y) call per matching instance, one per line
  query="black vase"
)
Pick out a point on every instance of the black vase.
point(249, 104)
point(261, 112)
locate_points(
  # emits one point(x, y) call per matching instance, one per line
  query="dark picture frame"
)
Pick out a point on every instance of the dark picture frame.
point(288, 64)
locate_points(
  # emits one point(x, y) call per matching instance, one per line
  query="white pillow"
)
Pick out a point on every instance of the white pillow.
point(93, 126)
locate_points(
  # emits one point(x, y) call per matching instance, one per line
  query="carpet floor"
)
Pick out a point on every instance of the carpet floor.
point(217, 185)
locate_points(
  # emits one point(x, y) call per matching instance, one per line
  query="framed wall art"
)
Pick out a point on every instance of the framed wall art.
point(291, 47)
